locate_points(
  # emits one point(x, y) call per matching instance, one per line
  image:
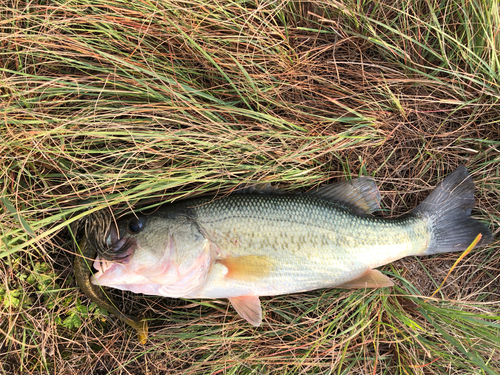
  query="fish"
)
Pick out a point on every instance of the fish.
point(264, 242)
point(85, 252)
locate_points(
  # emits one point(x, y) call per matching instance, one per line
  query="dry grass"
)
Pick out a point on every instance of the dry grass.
point(121, 102)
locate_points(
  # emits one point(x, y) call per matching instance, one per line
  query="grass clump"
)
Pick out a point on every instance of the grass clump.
point(114, 102)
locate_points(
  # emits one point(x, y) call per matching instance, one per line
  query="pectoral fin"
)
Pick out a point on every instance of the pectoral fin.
point(248, 307)
point(248, 268)
point(371, 279)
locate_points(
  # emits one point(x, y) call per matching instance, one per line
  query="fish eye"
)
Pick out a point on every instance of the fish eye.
point(135, 225)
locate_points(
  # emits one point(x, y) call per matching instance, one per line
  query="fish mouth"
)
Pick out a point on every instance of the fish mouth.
point(118, 249)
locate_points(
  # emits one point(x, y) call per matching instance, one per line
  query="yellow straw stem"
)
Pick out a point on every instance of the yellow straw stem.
point(467, 251)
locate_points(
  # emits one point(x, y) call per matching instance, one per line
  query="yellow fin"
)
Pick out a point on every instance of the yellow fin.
point(249, 267)
point(370, 279)
point(248, 307)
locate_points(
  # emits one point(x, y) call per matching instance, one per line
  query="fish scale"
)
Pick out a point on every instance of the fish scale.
point(318, 242)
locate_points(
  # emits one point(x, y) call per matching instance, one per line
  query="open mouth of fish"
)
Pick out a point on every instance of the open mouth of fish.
point(118, 249)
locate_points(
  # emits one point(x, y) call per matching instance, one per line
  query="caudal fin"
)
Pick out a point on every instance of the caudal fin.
point(449, 207)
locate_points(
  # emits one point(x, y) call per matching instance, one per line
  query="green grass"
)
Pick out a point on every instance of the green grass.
point(128, 102)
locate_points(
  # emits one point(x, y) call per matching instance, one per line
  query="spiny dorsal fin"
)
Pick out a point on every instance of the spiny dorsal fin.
point(250, 267)
point(371, 279)
point(360, 194)
point(260, 188)
point(248, 307)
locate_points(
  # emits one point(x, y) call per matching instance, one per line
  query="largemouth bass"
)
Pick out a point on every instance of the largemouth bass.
point(247, 245)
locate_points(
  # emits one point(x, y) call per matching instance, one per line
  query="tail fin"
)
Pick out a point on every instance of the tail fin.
point(449, 207)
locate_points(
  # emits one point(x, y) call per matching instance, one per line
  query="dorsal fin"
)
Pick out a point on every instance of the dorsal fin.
point(260, 188)
point(359, 194)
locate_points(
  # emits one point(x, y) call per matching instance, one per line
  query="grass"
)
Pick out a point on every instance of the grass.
point(121, 102)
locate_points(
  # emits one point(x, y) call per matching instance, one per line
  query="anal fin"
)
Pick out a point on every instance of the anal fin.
point(370, 279)
point(248, 307)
